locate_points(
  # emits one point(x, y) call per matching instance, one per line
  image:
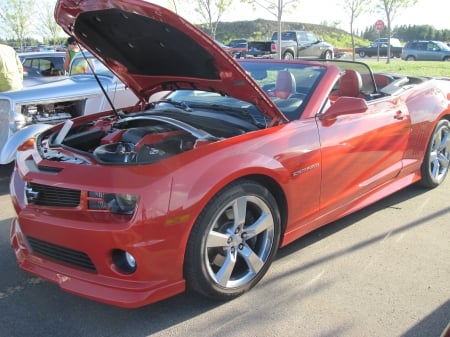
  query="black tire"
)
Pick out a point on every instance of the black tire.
point(362, 54)
point(226, 257)
point(410, 58)
point(288, 56)
point(328, 55)
point(437, 157)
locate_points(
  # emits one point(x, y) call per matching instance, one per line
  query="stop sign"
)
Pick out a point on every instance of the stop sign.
point(379, 25)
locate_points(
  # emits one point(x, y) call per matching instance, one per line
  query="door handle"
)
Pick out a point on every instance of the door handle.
point(399, 115)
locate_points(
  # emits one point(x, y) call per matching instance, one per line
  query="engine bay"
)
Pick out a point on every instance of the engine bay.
point(139, 138)
point(52, 113)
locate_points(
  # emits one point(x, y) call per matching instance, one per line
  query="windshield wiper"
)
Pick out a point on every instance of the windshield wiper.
point(241, 113)
point(178, 104)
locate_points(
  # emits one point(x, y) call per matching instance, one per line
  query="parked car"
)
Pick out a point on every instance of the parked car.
point(200, 189)
point(294, 44)
point(235, 52)
point(425, 50)
point(36, 107)
point(42, 67)
point(238, 43)
point(379, 49)
point(384, 40)
point(239, 47)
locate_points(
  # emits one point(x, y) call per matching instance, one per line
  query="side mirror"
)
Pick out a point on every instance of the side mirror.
point(344, 106)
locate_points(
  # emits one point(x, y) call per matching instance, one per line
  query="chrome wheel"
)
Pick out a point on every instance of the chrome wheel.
point(233, 241)
point(437, 159)
point(239, 242)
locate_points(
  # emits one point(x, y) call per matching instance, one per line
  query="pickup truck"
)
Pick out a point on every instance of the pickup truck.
point(378, 49)
point(294, 44)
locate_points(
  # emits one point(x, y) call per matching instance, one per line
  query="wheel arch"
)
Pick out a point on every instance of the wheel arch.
point(263, 179)
point(264, 176)
point(276, 190)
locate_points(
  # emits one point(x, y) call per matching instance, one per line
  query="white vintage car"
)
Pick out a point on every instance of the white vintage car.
point(36, 108)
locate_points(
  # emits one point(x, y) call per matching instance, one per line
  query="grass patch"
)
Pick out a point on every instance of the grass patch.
point(417, 68)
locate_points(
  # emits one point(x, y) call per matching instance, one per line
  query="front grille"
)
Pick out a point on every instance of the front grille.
point(44, 195)
point(61, 254)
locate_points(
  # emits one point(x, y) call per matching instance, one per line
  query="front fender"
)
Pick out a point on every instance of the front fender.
point(8, 152)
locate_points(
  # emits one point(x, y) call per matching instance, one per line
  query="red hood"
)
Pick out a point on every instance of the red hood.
point(151, 49)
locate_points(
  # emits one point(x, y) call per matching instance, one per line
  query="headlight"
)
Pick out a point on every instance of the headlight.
point(114, 202)
point(17, 120)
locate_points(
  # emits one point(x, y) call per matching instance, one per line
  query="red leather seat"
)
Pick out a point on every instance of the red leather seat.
point(350, 84)
point(382, 80)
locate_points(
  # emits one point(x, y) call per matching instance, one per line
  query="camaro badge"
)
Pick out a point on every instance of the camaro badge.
point(30, 194)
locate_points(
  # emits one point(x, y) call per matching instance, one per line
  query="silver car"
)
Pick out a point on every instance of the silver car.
point(36, 108)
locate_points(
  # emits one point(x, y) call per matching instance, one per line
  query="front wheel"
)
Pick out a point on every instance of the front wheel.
point(233, 241)
point(328, 55)
point(362, 54)
point(437, 158)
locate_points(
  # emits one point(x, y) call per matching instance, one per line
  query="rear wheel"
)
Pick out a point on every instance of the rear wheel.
point(288, 56)
point(410, 58)
point(233, 242)
point(328, 55)
point(437, 158)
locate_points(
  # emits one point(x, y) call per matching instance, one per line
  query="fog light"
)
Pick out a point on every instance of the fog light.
point(124, 261)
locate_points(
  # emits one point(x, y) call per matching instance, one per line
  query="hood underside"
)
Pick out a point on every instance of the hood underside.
point(151, 49)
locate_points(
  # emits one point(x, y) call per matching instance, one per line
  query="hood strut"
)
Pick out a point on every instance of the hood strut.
point(99, 83)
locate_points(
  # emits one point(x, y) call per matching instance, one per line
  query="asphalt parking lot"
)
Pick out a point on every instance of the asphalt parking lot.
point(384, 271)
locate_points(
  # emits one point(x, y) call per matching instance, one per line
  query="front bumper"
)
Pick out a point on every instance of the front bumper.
point(118, 292)
point(95, 237)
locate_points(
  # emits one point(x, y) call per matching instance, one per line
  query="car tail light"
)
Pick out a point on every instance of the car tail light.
point(273, 47)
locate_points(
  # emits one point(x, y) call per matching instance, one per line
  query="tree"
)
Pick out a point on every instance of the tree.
point(17, 18)
point(275, 8)
point(211, 11)
point(391, 9)
point(50, 28)
point(355, 8)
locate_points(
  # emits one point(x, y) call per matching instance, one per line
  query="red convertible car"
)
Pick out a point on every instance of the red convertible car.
point(220, 163)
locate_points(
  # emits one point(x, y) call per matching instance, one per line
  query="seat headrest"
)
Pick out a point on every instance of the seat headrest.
point(350, 84)
point(285, 84)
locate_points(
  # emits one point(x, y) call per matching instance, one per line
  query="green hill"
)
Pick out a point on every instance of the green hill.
point(262, 30)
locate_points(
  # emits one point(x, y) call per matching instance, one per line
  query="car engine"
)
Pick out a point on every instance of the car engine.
point(139, 139)
point(52, 113)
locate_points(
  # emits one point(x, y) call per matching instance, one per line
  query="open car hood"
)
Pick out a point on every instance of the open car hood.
point(151, 49)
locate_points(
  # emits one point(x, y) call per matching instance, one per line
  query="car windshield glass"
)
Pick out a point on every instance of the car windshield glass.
point(193, 101)
point(289, 86)
point(80, 66)
point(442, 46)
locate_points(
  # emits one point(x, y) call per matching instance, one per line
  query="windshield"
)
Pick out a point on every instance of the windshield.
point(80, 65)
point(443, 46)
point(288, 85)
